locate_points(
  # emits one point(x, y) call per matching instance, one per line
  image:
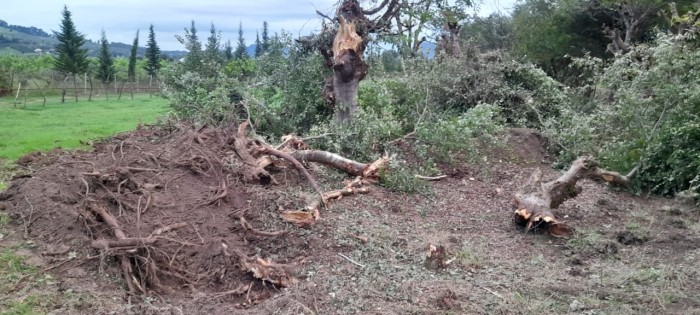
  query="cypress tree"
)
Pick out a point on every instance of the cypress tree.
point(193, 59)
point(105, 69)
point(72, 57)
point(241, 51)
point(258, 46)
point(212, 51)
point(265, 38)
point(152, 54)
point(228, 50)
point(132, 58)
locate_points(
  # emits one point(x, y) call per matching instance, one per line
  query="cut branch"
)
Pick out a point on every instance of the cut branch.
point(331, 159)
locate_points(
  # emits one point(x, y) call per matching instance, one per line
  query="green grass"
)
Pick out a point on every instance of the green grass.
point(37, 127)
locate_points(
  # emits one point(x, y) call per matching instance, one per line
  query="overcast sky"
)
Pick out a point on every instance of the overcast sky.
point(121, 18)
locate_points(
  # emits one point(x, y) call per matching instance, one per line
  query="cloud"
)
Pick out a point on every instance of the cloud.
point(121, 19)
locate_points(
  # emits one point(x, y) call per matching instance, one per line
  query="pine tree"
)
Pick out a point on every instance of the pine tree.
point(105, 69)
point(193, 59)
point(152, 54)
point(258, 46)
point(241, 49)
point(132, 58)
point(212, 51)
point(228, 50)
point(72, 57)
point(265, 38)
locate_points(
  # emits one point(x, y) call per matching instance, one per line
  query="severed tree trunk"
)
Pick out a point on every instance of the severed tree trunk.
point(534, 208)
point(348, 68)
point(344, 54)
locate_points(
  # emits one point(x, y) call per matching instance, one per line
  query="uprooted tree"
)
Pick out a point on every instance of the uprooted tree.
point(534, 208)
point(342, 47)
point(118, 203)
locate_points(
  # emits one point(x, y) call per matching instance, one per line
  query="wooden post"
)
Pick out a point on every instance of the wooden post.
point(19, 87)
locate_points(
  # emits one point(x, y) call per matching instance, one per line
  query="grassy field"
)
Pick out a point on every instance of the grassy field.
point(32, 127)
point(36, 127)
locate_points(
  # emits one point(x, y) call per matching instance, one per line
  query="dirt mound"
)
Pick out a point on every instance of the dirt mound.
point(175, 211)
point(528, 145)
point(168, 211)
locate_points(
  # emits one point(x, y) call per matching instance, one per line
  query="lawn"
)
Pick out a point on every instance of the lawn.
point(36, 127)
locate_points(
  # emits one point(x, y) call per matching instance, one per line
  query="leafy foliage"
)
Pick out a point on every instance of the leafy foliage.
point(198, 89)
point(641, 107)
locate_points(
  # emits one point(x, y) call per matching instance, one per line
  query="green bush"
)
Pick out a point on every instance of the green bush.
point(363, 138)
point(444, 136)
point(286, 90)
point(196, 97)
point(643, 106)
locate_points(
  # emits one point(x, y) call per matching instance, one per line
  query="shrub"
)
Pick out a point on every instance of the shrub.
point(443, 136)
point(363, 138)
point(642, 107)
point(196, 97)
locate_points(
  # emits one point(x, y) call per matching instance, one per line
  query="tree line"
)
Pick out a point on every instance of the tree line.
point(71, 58)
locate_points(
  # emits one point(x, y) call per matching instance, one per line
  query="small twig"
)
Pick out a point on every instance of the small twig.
point(324, 16)
point(247, 295)
point(197, 231)
point(248, 227)
point(431, 178)
point(409, 135)
point(240, 290)
point(140, 169)
point(168, 228)
point(351, 260)
point(490, 291)
point(87, 186)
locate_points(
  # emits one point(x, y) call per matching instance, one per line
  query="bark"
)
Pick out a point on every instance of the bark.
point(534, 209)
point(343, 55)
point(255, 172)
point(75, 85)
point(331, 159)
point(348, 68)
point(631, 14)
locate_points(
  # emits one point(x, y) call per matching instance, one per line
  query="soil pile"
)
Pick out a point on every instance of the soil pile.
point(167, 210)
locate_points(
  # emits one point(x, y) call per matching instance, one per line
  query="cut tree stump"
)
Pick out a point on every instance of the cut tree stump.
point(533, 208)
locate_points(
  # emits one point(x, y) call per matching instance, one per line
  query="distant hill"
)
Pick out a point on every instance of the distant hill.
point(16, 39)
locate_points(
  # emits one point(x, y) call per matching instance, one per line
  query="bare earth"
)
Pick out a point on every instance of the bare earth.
point(630, 255)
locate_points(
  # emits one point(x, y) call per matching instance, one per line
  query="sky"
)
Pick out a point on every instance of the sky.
point(120, 19)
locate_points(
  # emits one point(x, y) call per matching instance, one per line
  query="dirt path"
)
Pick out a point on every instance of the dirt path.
point(365, 255)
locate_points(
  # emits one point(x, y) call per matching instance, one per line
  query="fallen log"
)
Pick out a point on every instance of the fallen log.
point(533, 209)
point(331, 159)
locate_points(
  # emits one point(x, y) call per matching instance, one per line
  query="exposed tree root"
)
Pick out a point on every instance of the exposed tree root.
point(279, 274)
point(295, 162)
point(533, 209)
